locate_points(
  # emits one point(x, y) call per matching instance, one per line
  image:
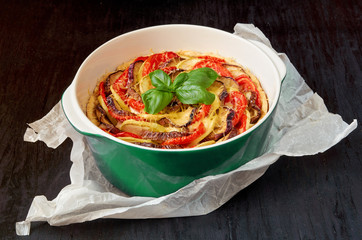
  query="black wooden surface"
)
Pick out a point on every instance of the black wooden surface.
point(42, 44)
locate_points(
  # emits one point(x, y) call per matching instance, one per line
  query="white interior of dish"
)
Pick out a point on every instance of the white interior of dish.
point(167, 38)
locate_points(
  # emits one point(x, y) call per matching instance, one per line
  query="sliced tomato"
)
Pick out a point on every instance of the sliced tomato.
point(169, 70)
point(247, 85)
point(127, 134)
point(241, 126)
point(115, 113)
point(239, 103)
point(120, 84)
point(202, 113)
point(154, 61)
point(102, 92)
point(215, 65)
point(122, 118)
point(120, 87)
point(137, 105)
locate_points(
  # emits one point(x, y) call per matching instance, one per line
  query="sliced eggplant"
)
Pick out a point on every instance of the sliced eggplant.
point(133, 94)
point(112, 105)
point(229, 83)
point(182, 118)
point(110, 80)
point(174, 105)
point(133, 68)
point(102, 115)
point(154, 145)
point(224, 125)
point(218, 87)
point(172, 146)
point(146, 144)
point(162, 136)
point(147, 133)
point(113, 110)
point(233, 133)
point(105, 123)
point(235, 70)
point(253, 105)
point(166, 64)
point(165, 122)
point(104, 106)
point(109, 128)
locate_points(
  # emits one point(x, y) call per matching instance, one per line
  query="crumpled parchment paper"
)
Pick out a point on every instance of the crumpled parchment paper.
point(302, 126)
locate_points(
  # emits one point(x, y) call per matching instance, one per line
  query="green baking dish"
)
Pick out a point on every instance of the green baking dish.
point(143, 171)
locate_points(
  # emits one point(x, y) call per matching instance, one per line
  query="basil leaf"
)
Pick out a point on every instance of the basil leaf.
point(156, 100)
point(160, 79)
point(192, 94)
point(180, 79)
point(190, 88)
point(202, 77)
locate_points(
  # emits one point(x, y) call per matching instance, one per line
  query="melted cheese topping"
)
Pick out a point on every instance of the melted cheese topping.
point(240, 102)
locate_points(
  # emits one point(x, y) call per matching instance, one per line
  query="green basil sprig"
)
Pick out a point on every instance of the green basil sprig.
point(189, 88)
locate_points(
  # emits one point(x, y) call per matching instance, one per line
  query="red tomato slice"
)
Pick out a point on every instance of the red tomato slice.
point(216, 66)
point(246, 85)
point(126, 134)
point(154, 61)
point(239, 102)
point(137, 105)
point(241, 127)
point(204, 111)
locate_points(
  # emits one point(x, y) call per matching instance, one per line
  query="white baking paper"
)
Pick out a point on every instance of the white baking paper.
point(302, 126)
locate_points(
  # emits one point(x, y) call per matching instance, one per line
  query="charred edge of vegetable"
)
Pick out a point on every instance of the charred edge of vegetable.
point(191, 118)
point(154, 145)
point(132, 93)
point(109, 128)
point(174, 71)
point(150, 145)
point(130, 72)
point(174, 105)
point(231, 79)
point(105, 123)
point(224, 93)
point(101, 115)
point(162, 136)
point(110, 104)
point(229, 127)
point(164, 64)
point(233, 133)
point(229, 124)
point(172, 146)
point(110, 80)
point(234, 65)
point(166, 122)
point(253, 105)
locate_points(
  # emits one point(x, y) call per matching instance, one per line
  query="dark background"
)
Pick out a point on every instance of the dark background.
point(42, 44)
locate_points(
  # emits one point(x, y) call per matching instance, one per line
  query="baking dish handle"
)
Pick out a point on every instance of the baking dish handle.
point(74, 114)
